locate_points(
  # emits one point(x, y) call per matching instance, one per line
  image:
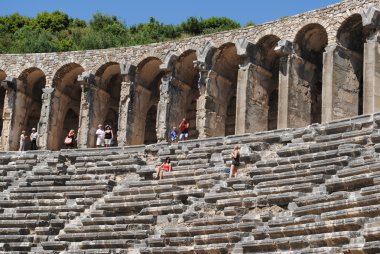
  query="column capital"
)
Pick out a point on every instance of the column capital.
point(371, 17)
point(127, 68)
point(242, 45)
point(284, 47)
point(9, 83)
point(48, 90)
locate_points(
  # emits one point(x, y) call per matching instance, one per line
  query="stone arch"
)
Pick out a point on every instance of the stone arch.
point(204, 54)
point(66, 103)
point(186, 77)
point(33, 82)
point(224, 65)
point(106, 103)
point(152, 54)
point(351, 37)
point(309, 44)
point(3, 75)
point(267, 81)
point(147, 94)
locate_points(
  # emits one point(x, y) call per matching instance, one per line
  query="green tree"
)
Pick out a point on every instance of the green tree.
point(29, 40)
point(55, 21)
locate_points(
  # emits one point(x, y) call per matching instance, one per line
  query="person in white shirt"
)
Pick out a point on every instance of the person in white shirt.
point(33, 139)
point(99, 136)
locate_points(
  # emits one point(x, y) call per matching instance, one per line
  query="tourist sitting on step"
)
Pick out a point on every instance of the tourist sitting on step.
point(166, 166)
point(70, 139)
point(174, 134)
point(235, 161)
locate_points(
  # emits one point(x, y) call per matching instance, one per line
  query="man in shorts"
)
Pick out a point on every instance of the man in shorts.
point(99, 136)
point(184, 127)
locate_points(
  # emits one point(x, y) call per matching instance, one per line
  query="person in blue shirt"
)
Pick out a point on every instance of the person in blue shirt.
point(174, 134)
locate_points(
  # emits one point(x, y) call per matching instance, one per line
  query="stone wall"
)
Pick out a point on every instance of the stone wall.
point(327, 53)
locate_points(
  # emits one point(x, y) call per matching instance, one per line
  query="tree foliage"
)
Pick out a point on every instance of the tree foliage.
point(57, 32)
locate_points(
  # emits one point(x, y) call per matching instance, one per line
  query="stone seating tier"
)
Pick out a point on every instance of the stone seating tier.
point(305, 190)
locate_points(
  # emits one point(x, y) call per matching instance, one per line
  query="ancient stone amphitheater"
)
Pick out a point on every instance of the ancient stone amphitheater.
point(299, 95)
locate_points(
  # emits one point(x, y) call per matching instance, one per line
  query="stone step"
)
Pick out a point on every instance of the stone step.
point(368, 247)
point(131, 198)
point(146, 219)
point(105, 228)
point(339, 126)
point(298, 159)
point(119, 169)
point(134, 206)
point(299, 242)
point(338, 161)
point(344, 135)
point(14, 231)
point(352, 224)
point(60, 189)
point(27, 216)
point(31, 223)
point(216, 220)
point(365, 211)
point(52, 209)
point(351, 182)
point(280, 199)
point(210, 229)
point(371, 234)
point(334, 206)
point(321, 198)
point(55, 245)
point(327, 170)
point(148, 171)
point(302, 187)
point(320, 147)
point(79, 237)
point(145, 189)
point(167, 250)
point(371, 168)
point(118, 243)
point(231, 237)
point(35, 202)
point(178, 241)
point(318, 179)
point(177, 181)
point(17, 167)
point(16, 238)
point(183, 194)
point(283, 221)
point(214, 197)
point(18, 246)
point(370, 190)
point(163, 210)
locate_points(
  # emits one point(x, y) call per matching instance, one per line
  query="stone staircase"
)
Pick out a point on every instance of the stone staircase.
point(309, 190)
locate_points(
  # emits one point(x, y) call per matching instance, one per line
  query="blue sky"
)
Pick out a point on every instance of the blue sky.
point(168, 11)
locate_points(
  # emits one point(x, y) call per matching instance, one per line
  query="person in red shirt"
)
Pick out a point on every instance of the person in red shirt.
point(184, 127)
point(166, 166)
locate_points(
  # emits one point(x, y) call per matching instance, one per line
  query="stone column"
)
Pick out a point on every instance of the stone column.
point(340, 83)
point(172, 105)
point(163, 107)
point(252, 98)
point(44, 125)
point(9, 139)
point(296, 79)
point(86, 114)
point(126, 105)
point(371, 61)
